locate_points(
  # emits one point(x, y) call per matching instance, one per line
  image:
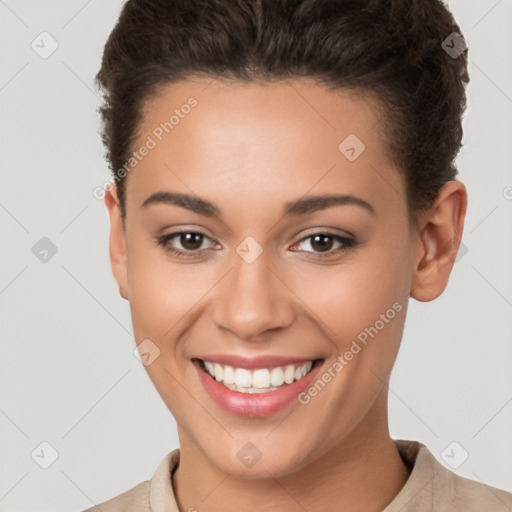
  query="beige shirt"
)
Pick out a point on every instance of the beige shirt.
point(430, 488)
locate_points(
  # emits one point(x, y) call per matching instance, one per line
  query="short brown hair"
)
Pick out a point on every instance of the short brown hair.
point(391, 48)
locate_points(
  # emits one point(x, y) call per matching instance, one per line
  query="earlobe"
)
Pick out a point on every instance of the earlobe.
point(117, 242)
point(438, 242)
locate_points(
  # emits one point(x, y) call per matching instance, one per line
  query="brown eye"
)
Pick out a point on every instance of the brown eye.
point(324, 243)
point(191, 241)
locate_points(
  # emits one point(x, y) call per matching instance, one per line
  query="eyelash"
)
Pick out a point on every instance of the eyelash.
point(347, 244)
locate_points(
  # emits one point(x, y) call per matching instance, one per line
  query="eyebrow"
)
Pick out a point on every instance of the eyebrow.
point(301, 206)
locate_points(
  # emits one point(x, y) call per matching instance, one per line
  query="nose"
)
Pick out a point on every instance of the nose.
point(253, 299)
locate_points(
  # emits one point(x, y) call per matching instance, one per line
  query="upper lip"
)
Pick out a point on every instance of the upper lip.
point(266, 361)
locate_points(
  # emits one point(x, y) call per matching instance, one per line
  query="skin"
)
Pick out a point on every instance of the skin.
point(250, 149)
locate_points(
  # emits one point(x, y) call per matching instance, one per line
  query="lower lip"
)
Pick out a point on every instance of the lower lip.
point(256, 405)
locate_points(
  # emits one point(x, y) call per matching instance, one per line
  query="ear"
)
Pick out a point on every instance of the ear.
point(117, 245)
point(437, 243)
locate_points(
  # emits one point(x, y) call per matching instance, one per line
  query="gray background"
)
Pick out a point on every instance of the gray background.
point(68, 375)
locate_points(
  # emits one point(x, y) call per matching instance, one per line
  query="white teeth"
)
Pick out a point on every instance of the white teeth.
point(209, 367)
point(256, 381)
point(277, 377)
point(218, 372)
point(260, 379)
point(229, 375)
point(289, 374)
point(243, 378)
point(251, 390)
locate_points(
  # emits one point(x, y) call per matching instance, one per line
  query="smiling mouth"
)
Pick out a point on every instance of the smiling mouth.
point(261, 380)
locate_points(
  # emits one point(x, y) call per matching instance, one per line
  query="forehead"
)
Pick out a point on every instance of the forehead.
point(217, 137)
point(294, 106)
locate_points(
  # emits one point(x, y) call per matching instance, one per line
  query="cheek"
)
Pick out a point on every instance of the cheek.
point(360, 307)
point(362, 323)
point(165, 299)
point(162, 293)
point(351, 296)
point(361, 313)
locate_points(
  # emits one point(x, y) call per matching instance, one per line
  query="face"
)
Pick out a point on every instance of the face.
point(294, 248)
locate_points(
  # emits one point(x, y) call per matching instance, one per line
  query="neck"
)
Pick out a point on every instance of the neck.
point(363, 472)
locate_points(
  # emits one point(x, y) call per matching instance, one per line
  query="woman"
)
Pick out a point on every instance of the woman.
point(283, 182)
